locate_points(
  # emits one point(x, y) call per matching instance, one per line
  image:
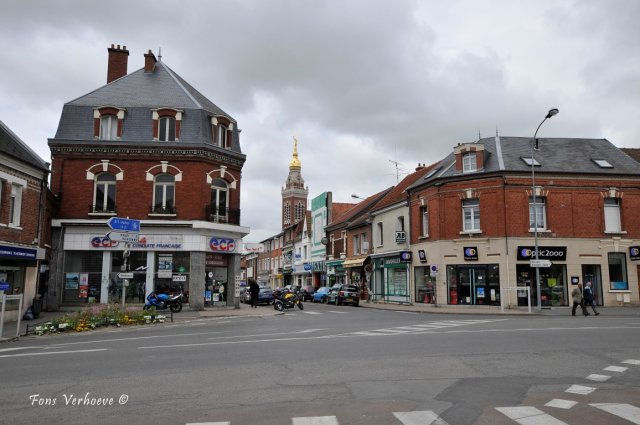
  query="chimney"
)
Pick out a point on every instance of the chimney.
point(118, 58)
point(149, 61)
point(420, 167)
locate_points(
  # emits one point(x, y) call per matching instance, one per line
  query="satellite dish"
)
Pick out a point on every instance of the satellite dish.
point(324, 240)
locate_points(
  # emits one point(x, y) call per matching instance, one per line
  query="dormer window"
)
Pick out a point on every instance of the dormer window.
point(469, 162)
point(166, 125)
point(222, 135)
point(221, 129)
point(108, 123)
point(469, 157)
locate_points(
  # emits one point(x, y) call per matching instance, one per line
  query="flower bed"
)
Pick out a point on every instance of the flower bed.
point(100, 315)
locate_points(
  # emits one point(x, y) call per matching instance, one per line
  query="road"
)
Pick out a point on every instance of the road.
point(330, 365)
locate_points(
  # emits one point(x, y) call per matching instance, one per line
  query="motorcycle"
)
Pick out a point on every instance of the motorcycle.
point(286, 300)
point(164, 301)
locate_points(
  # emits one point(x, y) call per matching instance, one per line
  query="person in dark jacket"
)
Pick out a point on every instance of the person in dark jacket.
point(589, 299)
point(254, 290)
point(578, 300)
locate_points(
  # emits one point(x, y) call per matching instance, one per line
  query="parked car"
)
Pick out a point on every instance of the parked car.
point(348, 294)
point(320, 296)
point(265, 296)
point(333, 293)
point(306, 293)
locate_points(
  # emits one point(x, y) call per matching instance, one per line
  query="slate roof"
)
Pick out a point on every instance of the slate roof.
point(13, 146)
point(139, 92)
point(555, 155)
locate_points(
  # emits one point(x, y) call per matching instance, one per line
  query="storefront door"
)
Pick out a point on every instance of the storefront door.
point(474, 285)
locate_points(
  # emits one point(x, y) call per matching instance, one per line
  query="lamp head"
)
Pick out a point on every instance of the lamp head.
point(552, 112)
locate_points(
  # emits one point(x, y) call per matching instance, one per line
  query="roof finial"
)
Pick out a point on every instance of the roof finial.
point(295, 162)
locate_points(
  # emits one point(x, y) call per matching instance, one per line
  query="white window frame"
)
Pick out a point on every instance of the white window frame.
point(165, 186)
point(424, 214)
point(471, 215)
point(166, 123)
point(380, 234)
point(219, 186)
point(469, 162)
point(15, 205)
point(100, 205)
point(540, 207)
point(612, 221)
point(356, 244)
point(108, 127)
point(222, 135)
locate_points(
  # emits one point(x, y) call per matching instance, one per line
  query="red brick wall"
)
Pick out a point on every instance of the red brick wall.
point(29, 210)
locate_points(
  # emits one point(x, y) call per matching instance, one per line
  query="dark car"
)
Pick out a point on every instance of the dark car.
point(332, 297)
point(265, 296)
point(348, 294)
point(306, 293)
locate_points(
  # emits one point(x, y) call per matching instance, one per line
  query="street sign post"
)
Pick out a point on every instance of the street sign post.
point(124, 237)
point(124, 224)
point(540, 263)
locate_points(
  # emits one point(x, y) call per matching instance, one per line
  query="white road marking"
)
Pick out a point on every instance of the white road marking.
point(312, 312)
point(633, 362)
point(598, 378)
point(336, 311)
point(208, 423)
point(426, 417)
point(622, 410)
point(529, 415)
point(561, 404)
point(18, 348)
point(580, 389)
point(46, 353)
point(616, 369)
point(317, 420)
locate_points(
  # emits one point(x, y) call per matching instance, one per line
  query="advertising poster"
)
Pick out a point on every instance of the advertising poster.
point(71, 280)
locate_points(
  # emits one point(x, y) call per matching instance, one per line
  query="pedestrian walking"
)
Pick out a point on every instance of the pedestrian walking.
point(589, 299)
point(254, 290)
point(578, 300)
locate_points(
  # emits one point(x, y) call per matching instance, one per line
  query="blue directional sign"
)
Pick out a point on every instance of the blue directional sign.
point(124, 224)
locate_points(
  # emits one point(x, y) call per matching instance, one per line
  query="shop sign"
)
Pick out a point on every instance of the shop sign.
point(216, 260)
point(401, 236)
point(16, 252)
point(405, 257)
point(634, 253)
point(103, 242)
point(319, 266)
point(422, 255)
point(308, 267)
point(470, 253)
point(179, 278)
point(526, 253)
point(222, 245)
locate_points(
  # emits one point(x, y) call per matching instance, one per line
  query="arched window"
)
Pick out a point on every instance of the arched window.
point(219, 200)
point(299, 212)
point(164, 194)
point(108, 127)
point(104, 198)
point(167, 129)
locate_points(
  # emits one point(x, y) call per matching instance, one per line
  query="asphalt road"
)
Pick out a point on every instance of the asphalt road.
point(331, 365)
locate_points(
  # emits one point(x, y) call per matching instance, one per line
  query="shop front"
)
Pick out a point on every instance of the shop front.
point(391, 277)
point(335, 272)
point(553, 279)
point(18, 275)
point(473, 284)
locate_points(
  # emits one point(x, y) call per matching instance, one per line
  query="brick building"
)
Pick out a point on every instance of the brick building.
point(24, 221)
point(146, 146)
point(472, 222)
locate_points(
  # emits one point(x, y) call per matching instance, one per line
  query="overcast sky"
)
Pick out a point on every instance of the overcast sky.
point(361, 84)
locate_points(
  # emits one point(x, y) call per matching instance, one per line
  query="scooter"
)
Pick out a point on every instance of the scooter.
point(286, 300)
point(162, 301)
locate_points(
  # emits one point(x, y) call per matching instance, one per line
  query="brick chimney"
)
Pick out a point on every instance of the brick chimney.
point(149, 61)
point(118, 58)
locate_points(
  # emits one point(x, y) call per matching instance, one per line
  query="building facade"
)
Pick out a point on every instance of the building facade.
point(149, 147)
point(478, 217)
point(25, 217)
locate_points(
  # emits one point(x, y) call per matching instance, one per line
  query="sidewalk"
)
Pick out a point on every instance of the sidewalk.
point(245, 310)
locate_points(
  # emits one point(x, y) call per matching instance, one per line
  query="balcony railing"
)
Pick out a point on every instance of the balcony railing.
point(217, 214)
point(102, 209)
point(165, 210)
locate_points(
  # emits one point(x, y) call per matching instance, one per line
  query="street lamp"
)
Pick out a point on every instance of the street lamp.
point(354, 196)
point(534, 147)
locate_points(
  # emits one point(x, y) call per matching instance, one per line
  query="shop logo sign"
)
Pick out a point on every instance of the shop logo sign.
point(634, 252)
point(103, 242)
point(405, 257)
point(526, 253)
point(470, 253)
point(222, 245)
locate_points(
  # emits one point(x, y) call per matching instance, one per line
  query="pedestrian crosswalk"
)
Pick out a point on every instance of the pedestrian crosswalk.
point(422, 327)
point(522, 415)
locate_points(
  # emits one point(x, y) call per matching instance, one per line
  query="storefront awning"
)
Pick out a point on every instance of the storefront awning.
point(334, 263)
point(355, 262)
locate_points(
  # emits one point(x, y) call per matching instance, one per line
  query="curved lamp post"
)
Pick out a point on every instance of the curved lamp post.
point(534, 147)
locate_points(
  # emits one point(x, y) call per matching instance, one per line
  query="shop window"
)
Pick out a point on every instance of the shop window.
point(425, 285)
point(553, 286)
point(618, 271)
point(471, 215)
point(104, 199)
point(164, 194)
point(612, 222)
point(83, 278)
point(537, 213)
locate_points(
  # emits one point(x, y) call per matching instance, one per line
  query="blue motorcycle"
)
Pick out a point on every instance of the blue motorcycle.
point(164, 301)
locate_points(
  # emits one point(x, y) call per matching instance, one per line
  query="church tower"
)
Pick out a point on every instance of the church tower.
point(294, 194)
